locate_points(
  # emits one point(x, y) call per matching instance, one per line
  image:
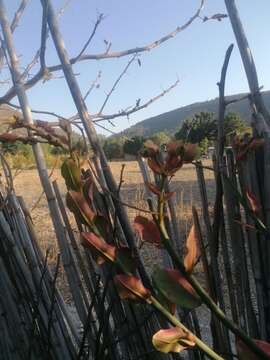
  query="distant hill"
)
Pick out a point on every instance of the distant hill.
point(171, 120)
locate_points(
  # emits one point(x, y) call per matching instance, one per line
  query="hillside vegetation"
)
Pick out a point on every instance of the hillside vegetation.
point(171, 121)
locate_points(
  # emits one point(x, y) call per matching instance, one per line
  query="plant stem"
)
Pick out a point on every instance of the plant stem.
point(174, 321)
point(207, 300)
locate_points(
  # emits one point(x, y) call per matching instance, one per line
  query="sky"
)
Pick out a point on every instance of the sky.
point(194, 56)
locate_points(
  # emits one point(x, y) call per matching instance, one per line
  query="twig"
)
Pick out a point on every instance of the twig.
point(18, 15)
point(42, 193)
point(115, 197)
point(52, 303)
point(94, 84)
point(107, 55)
point(99, 19)
point(116, 83)
point(100, 117)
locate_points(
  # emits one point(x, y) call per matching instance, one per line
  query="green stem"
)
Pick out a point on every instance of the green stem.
point(206, 298)
point(174, 321)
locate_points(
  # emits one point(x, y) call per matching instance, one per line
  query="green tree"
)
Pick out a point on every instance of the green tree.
point(204, 126)
point(113, 147)
point(160, 138)
point(133, 146)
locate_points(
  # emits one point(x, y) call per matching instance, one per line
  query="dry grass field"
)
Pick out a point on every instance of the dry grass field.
point(27, 184)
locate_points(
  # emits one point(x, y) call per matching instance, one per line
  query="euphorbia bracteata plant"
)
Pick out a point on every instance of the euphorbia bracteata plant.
point(171, 287)
point(173, 282)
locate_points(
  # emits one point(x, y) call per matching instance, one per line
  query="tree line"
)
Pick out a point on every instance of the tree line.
point(201, 129)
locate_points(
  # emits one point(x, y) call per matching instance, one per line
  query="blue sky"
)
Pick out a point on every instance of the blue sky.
point(194, 56)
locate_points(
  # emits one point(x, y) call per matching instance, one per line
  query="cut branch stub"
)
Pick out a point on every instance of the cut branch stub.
point(245, 353)
point(80, 208)
point(193, 250)
point(71, 172)
point(147, 230)
point(175, 288)
point(131, 288)
point(173, 340)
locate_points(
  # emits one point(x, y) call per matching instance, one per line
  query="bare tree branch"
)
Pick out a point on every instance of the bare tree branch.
point(116, 83)
point(106, 55)
point(18, 15)
point(99, 19)
point(101, 117)
point(94, 84)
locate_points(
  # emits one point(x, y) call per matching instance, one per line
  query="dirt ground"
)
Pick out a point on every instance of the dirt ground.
point(28, 186)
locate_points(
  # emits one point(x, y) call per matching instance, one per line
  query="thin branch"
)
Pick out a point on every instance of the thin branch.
point(116, 197)
point(18, 15)
point(116, 83)
point(44, 37)
point(42, 193)
point(98, 21)
point(106, 55)
point(94, 84)
point(241, 98)
point(101, 117)
point(50, 113)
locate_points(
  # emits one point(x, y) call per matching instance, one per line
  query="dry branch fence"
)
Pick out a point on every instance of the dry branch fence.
point(235, 248)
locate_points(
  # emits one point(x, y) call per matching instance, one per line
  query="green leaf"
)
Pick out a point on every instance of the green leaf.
point(71, 172)
point(175, 288)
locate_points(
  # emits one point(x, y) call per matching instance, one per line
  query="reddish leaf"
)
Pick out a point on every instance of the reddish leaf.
point(101, 251)
point(79, 206)
point(173, 340)
point(155, 166)
point(173, 163)
point(157, 192)
point(253, 202)
point(88, 189)
point(190, 152)
point(147, 230)
point(176, 288)
point(150, 145)
point(130, 287)
point(153, 188)
point(245, 226)
point(7, 137)
point(245, 353)
point(193, 250)
point(175, 147)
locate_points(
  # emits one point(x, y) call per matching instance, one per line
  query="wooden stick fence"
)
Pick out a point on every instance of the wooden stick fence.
point(235, 251)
